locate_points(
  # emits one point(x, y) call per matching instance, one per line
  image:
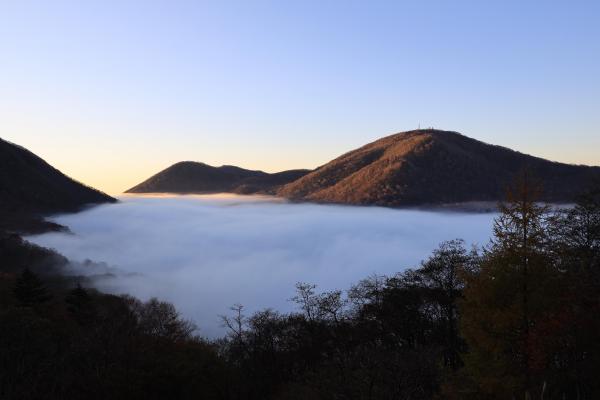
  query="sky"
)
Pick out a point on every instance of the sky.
point(111, 92)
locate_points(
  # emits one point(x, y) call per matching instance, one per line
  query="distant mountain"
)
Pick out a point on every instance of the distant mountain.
point(196, 177)
point(421, 167)
point(30, 187)
point(432, 167)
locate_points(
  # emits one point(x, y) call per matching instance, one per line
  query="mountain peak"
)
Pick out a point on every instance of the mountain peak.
point(429, 166)
point(197, 177)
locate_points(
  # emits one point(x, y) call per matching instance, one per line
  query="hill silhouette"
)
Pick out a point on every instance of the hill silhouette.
point(30, 187)
point(196, 177)
point(433, 167)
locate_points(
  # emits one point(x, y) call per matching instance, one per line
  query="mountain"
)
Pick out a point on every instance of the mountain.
point(195, 177)
point(30, 187)
point(432, 167)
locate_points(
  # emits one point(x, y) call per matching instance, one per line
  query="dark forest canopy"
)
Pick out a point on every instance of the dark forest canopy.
point(517, 319)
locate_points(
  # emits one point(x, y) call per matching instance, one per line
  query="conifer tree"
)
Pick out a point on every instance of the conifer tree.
point(29, 289)
point(507, 295)
point(80, 305)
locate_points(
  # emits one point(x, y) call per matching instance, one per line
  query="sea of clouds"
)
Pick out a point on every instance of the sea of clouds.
point(205, 253)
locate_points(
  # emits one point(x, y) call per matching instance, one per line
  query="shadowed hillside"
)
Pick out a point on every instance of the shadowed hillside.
point(195, 177)
point(432, 167)
point(30, 187)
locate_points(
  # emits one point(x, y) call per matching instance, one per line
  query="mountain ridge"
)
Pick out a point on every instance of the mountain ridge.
point(30, 188)
point(197, 177)
point(412, 168)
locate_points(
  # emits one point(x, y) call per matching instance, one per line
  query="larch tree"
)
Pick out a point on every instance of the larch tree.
point(507, 295)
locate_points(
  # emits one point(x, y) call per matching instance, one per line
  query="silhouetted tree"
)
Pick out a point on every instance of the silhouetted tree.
point(442, 278)
point(307, 300)
point(29, 290)
point(160, 319)
point(507, 296)
point(81, 306)
point(569, 332)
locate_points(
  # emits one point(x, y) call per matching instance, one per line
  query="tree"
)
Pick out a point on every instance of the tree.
point(159, 319)
point(235, 324)
point(576, 234)
point(29, 290)
point(442, 278)
point(570, 333)
point(510, 293)
point(81, 305)
point(307, 300)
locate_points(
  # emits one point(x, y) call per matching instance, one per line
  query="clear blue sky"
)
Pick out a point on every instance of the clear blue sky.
point(112, 91)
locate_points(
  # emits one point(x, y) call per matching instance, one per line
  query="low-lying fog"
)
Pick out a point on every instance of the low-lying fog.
point(205, 253)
